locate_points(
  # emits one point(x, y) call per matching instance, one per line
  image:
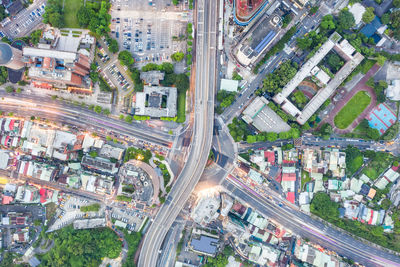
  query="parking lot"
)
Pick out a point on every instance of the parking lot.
point(69, 210)
point(25, 21)
point(147, 30)
point(132, 218)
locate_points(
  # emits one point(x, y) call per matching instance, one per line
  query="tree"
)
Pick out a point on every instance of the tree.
point(93, 154)
point(166, 67)
point(380, 59)
point(322, 206)
point(177, 56)
point(125, 57)
point(83, 15)
point(313, 10)
point(335, 62)
point(113, 46)
point(328, 23)
point(368, 15)
point(386, 203)
point(19, 90)
point(396, 3)
point(272, 136)
point(97, 109)
point(9, 89)
point(236, 76)
point(56, 20)
point(182, 82)
point(373, 133)
point(128, 118)
point(385, 19)
point(346, 19)
point(35, 36)
point(175, 2)
point(304, 43)
point(106, 112)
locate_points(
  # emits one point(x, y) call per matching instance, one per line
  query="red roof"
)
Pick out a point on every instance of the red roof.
point(7, 200)
point(42, 191)
point(289, 177)
point(395, 168)
point(290, 196)
point(270, 156)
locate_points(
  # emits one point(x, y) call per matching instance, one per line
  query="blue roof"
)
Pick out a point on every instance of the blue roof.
point(205, 244)
point(265, 41)
point(369, 29)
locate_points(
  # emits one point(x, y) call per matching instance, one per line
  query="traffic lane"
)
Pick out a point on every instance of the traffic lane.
point(326, 241)
point(201, 142)
point(79, 111)
point(82, 122)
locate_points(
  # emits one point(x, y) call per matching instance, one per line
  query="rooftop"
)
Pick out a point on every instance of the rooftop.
point(157, 102)
point(205, 244)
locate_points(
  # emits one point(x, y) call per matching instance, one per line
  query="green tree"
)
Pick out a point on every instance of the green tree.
point(56, 20)
point(272, 136)
point(106, 112)
point(93, 153)
point(9, 89)
point(322, 206)
point(166, 67)
point(177, 56)
point(84, 15)
point(313, 10)
point(346, 19)
point(373, 133)
point(19, 90)
point(304, 43)
point(396, 3)
point(182, 82)
point(335, 62)
point(380, 59)
point(128, 118)
point(368, 15)
point(236, 76)
point(385, 19)
point(125, 57)
point(386, 203)
point(113, 46)
point(328, 23)
point(97, 109)
point(175, 2)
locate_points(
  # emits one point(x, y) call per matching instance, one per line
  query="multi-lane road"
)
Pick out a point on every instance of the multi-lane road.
point(305, 226)
point(206, 25)
point(45, 107)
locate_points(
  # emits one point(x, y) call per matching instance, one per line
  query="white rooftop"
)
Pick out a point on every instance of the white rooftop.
point(68, 57)
point(229, 85)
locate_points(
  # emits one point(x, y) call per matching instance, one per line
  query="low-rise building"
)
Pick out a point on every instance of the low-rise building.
point(156, 102)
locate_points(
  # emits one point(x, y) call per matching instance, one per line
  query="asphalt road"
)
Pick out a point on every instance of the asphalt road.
point(317, 141)
point(302, 224)
point(206, 25)
point(28, 105)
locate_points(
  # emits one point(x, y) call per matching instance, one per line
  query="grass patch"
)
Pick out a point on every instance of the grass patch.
point(352, 110)
point(71, 7)
point(181, 107)
point(305, 178)
point(367, 65)
point(50, 210)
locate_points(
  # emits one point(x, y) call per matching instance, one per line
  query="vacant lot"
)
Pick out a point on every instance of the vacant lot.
point(71, 7)
point(352, 110)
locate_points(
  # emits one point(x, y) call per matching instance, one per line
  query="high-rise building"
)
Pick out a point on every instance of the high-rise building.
point(10, 57)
